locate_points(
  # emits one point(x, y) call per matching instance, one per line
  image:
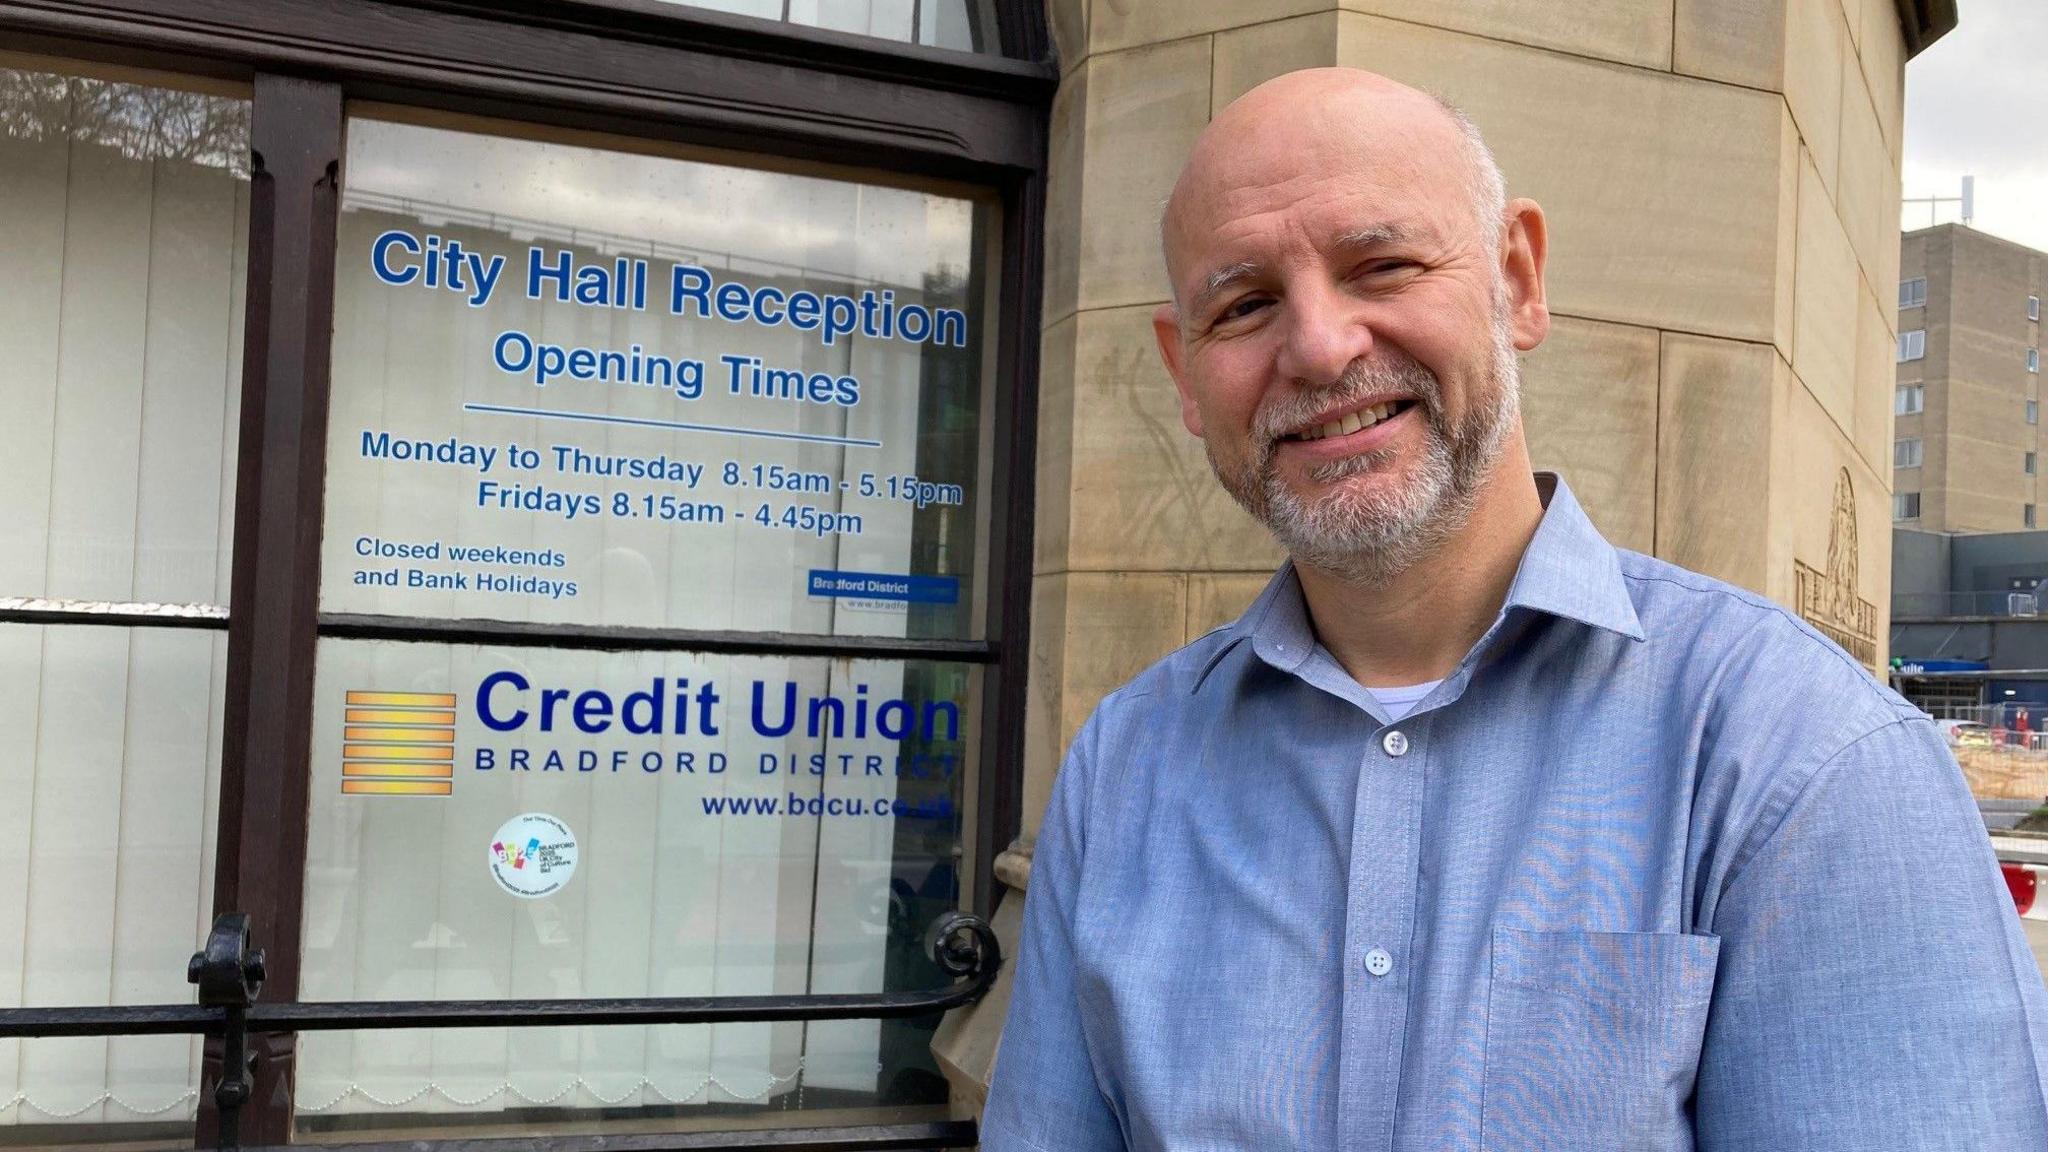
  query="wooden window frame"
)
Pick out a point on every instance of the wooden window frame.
point(621, 67)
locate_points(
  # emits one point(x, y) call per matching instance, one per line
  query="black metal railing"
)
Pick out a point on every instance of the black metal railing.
point(229, 976)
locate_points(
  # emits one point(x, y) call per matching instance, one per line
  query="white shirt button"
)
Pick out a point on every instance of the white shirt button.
point(1379, 962)
point(1395, 742)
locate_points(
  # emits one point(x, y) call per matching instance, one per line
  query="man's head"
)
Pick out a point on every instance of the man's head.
point(1350, 289)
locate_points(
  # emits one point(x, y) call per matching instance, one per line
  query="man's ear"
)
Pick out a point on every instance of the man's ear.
point(1524, 248)
point(1166, 330)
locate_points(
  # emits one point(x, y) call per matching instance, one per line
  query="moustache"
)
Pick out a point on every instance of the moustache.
point(1279, 417)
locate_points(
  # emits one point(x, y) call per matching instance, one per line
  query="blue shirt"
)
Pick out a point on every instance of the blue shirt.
point(1656, 867)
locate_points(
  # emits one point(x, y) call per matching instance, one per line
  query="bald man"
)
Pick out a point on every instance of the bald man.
point(1476, 832)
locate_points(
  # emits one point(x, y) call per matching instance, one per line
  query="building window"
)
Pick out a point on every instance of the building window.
point(1906, 506)
point(1912, 345)
point(781, 431)
point(2028, 515)
point(966, 25)
point(1906, 453)
point(1913, 293)
point(2030, 464)
point(2033, 307)
point(2033, 411)
point(125, 263)
point(2033, 359)
point(1909, 399)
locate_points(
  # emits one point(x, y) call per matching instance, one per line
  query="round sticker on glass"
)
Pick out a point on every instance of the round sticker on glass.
point(533, 855)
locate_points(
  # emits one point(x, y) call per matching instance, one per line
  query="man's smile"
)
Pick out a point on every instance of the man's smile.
point(1351, 432)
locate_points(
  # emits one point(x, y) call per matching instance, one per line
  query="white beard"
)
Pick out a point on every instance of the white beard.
point(1363, 536)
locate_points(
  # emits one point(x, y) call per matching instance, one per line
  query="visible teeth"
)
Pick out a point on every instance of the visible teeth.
point(1351, 422)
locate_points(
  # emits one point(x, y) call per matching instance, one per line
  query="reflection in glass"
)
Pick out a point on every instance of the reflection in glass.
point(677, 776)
point(963, 25)
point(123, 258)
point(651, 496)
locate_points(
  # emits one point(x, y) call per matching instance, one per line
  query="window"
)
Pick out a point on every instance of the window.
point(1906, 453)
point(1906, 506)
point(801, 498)
point(631, 415)
point(2033, 359)
point(1909, 399)
point(126, 208)
point(1912, 345)
point(2029, 465)
point(1913, 293)
point(2033, 307)
point(2027, 515)
point(968, 25)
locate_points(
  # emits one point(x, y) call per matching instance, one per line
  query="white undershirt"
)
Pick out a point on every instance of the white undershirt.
point(1400, 701)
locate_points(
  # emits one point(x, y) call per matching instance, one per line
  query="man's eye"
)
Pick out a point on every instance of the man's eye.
point(1242, 307)
point(1383, 267)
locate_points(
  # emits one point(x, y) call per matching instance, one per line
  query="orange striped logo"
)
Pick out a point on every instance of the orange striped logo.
point(398, 744)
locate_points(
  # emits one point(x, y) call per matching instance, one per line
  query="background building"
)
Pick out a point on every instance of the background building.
point(1966, 457)
point(1967, 621)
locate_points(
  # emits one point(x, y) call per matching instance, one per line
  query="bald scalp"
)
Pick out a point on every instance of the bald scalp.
point(1276, 128)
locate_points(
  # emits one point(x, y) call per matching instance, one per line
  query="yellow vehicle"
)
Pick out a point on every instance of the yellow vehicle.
point(1964, 733)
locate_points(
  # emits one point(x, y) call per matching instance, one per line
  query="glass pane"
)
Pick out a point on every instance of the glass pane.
point(493, 823)
point(126, 208)
point(766, 9)
point(109, 777)
point(951, 24)
point(582, 385)
point(888, 19)
point(958, 24)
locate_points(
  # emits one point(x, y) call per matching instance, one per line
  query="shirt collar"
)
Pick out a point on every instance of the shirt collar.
point(1569, 570)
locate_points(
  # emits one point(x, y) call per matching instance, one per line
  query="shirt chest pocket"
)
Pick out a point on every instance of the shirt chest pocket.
point(1592, 1039)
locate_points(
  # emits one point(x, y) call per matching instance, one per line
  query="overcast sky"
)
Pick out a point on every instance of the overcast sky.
point(1974, 104)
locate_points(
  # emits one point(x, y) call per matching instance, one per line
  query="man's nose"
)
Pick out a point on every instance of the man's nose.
point(1325, 333)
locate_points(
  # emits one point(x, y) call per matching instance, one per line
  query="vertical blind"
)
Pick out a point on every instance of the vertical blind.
point(120, 341)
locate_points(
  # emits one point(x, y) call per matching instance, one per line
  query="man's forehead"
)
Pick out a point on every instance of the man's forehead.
point(1346, 161)
point(1253, 227)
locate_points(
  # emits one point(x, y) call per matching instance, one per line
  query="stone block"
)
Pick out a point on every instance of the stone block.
point(1734, 41)
point(1864, 179)
point(1050, 520)
point(1248, 57)
point(1589, 406)
point(1066, 172)
point(1816, 457)
point(1882, 55)
point(1120, 24)
point(1217, 598)
point(1659, 188)
point(1720, 407)
point(1144, 497)
point(1816, 43)
point(1886, 284)
point(1876, 348)
point(1044, 743)
point(1117, 625)
point(1635, 32)
point(1145, 107)
point(1824, 304)
point(1067, 20)
point(1785, 281)
point(1091, 632)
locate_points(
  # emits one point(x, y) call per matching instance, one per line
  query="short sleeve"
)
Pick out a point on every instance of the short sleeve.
point(1875, 989)
point(1044, 1095)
